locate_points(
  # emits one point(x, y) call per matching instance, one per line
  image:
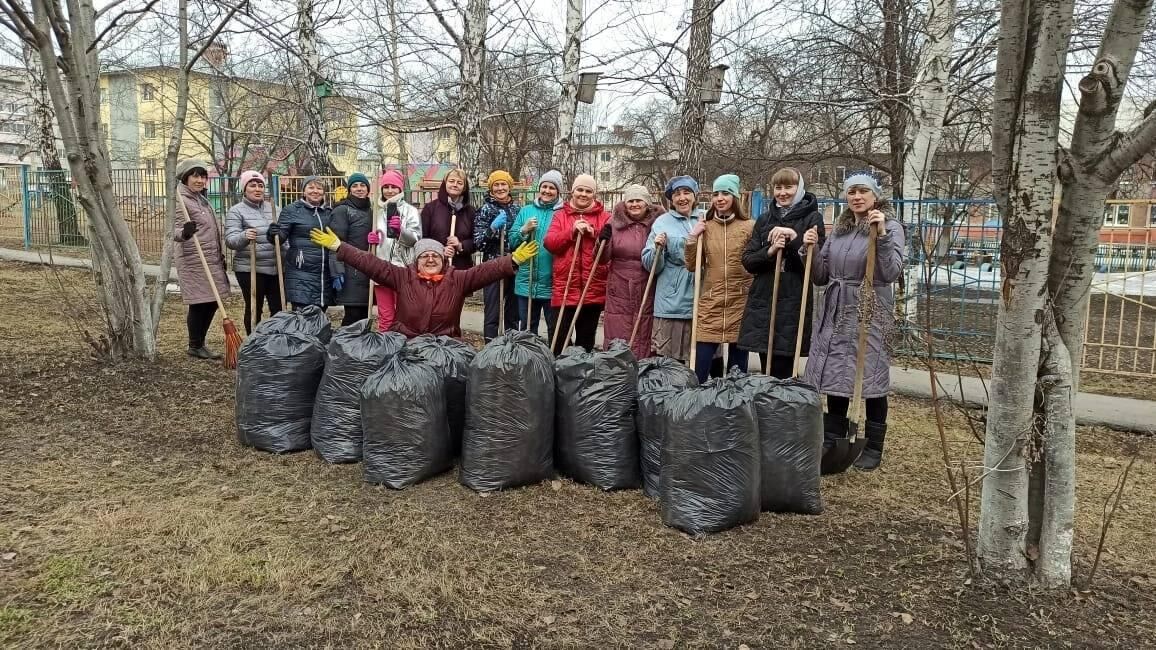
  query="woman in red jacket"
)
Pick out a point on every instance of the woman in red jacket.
point(626, 283)
point(430, 294)
point(573, 232)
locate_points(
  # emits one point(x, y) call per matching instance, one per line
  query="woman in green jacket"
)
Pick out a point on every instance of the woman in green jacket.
point(532, 222)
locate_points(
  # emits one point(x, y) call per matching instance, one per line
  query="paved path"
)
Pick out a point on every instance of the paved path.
point(1116, 412)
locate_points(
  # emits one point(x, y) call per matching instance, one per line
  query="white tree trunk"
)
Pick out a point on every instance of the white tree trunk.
point(928, 102)
point(561, 157)
point(316, 143)
point(473, 57)
point(693, 110)
point(395, 63)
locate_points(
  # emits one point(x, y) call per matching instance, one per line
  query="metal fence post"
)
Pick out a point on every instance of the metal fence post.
point(26, 206)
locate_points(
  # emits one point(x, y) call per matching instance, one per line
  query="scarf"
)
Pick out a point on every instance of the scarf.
point(456, 204)
point(360, 204)
point(432, 277)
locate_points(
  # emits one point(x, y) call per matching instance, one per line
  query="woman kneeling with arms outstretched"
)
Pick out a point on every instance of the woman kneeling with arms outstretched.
point(430, 294)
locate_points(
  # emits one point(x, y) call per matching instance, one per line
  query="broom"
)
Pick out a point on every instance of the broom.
point(232, 338)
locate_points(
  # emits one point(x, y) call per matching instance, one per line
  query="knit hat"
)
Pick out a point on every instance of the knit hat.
point(554, 177)
point(728, 183)
point(680, 181)
point(392, 177)
point(313, 179)
point(864, 179)
point(426, 245)
point(186, 167)
point(500, 176)
point(636, 193)
point(250, 176)
point(356, 177)
point(584, 180)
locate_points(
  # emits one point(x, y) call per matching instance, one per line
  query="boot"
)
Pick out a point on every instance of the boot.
point(834, 429)
point(872, 454)
point(203, 353)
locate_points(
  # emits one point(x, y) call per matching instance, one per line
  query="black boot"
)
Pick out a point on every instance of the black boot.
point(872, 454)
point(201, 352)
point(834, 429)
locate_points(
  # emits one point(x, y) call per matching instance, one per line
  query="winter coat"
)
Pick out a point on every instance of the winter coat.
point(308, 279)
point(840, 267)
point(544, 261)
point(725, 283)
point(627, 280)
point(485, 238)
point(398, 251)
point(352, 225)
point(240, 218)
point(435, 224)
point(560, 243)
point(425, 306)
point(673, 283)
point(757, 317)
point(195, 287)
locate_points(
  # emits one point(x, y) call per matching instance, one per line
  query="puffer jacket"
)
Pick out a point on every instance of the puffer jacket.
point(725, 283)
point(560, 243)
point(435, 224)
point(398, 251)
point(673, 283)
point(238, 219)
point(352, 225)
point(485, 238)
point(308, 280)
point(543, 263)
point(757, 318)
point(195, 287)
point(627, 280)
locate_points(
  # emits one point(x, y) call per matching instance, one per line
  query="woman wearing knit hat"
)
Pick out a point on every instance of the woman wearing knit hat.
point(398, 229)
point(674, 284)
point(453, 200)
point(431, 293)
point(574, 231)
point(725, 282)
point(631, 222)
point(840, 266)
point(491, 224)
point(308, 278)
point(353, 221)
point(196, 290)
point(531, 225)
point(245, 225)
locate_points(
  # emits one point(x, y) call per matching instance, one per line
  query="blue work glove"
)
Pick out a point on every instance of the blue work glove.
point(499, 222)
point(338, 282)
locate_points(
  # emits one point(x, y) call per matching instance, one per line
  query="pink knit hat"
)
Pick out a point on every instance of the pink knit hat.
point(251, 175)
point(392, 177)
point(584, 180)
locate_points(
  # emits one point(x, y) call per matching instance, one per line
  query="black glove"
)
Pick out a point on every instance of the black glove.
point(188, 229)
point(605, 234)
point(272, 234)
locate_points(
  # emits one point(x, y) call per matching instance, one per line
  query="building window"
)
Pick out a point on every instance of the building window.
point(150, 165)
point(443, 156)
point(604, 156)
point(840, 174)
point(824, 175)
point(337, 148)
point(150, 130)
point(445, 134)
point(604, 176)
point(148, 92)
point(962, 176)
point(1116, 214)
point(1152, 215)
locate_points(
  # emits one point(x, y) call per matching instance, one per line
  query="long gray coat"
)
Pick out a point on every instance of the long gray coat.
point(240, 218)
point(840, 267)
point(195, 288)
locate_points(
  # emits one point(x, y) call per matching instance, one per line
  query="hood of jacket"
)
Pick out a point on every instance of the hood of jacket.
point(444, 197)
point(846, 222)
point(595, 208)
point(804, 206)
point(619, 219)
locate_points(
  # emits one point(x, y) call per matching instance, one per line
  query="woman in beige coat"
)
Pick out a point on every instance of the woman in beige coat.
point(196, 292)
point(723, 291)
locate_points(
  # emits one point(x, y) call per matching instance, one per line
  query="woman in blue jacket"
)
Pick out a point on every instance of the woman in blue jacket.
point(308, 280)
point(674, 284)
point(532, 222)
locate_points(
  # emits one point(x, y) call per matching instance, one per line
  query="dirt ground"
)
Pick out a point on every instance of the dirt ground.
point(130, 517)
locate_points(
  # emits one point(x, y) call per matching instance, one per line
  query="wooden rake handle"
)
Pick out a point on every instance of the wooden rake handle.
point(658, 250)
point(774, 309)
point(204, 262)
point(566, 291)
point(864, 327)
point(699, 245)
point(589, 279)
point(803, 310)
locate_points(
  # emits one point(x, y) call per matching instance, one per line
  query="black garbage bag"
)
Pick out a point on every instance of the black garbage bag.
point(355, 352)
point(509, 435)
point(596, 441)
point(277, 378)
point(451, 358)
point(403, 418)
point(710, 459)
point(790, 416)
point(306, 320)
point(656, 373)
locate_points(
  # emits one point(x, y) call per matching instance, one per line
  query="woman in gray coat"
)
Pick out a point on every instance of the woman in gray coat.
point(840, 266)
point(196, 287)
point(245, 225)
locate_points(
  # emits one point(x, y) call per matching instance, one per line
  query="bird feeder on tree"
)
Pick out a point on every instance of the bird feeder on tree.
point(323, 88)
point(587, 84)
point(712, 85)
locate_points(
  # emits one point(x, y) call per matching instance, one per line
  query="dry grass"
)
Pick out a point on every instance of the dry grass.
point(136, 520)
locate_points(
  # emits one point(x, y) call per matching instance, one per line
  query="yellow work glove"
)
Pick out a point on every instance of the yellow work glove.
point(327, 239)
point(339, 194)
point(525, 252)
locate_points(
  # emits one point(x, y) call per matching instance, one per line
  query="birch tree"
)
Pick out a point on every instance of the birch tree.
point(562, 157)
point(471, 44)
point(693, 120)
point(317, 143)
point(1028, 503)
point(929, 99)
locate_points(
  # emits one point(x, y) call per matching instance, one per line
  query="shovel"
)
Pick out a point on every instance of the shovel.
point(566, 291)
point(846, 450)
point(645, 292)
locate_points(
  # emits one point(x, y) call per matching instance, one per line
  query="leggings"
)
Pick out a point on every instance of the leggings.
point(198, 321)
point(538, 310)
point(491, 296)
point(267, 292)
point(876, 407)
point(781, 367)
point(584, 329)
point(704, 358)
point(354, 313)
point(386, 307)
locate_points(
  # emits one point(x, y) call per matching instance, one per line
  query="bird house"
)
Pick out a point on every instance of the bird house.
point(711, 91)
point(587, 84)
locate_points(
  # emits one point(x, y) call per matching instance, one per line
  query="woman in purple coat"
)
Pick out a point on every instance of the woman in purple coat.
point(840, 266)
point(630, 226)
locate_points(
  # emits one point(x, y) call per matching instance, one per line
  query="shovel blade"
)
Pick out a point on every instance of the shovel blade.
point(842, 455)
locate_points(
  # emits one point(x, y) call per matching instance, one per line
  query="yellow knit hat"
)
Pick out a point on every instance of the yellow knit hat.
point(500, 175)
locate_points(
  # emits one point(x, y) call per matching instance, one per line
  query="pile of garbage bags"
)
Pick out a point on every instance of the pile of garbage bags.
point(659, 378)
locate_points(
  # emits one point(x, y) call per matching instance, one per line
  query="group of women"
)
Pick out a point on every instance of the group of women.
point(573, 261)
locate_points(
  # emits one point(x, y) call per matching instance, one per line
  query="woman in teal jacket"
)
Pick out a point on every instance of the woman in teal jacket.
point(532, 222)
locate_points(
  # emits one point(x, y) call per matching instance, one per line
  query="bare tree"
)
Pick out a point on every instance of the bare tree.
point(317, 142)
point(697, 62)
point(471, 44)
point(568, 102)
